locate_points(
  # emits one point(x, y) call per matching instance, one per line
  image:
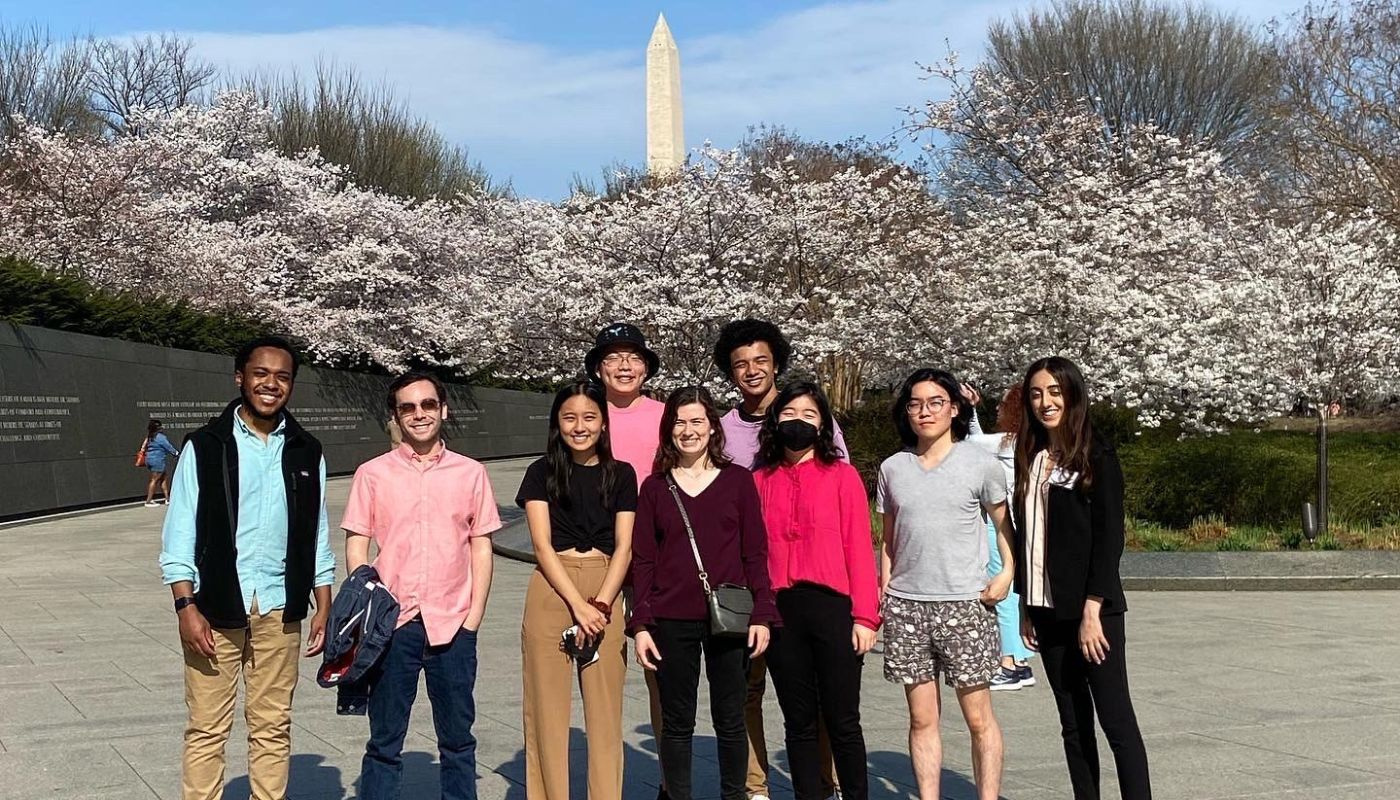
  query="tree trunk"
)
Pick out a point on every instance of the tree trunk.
point(844, 381)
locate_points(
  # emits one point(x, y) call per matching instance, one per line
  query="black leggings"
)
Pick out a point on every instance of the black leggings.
point(816, 672)
point(681, 643)
point(1080, 689)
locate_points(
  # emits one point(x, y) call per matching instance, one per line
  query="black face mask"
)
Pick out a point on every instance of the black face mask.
point(797, 434)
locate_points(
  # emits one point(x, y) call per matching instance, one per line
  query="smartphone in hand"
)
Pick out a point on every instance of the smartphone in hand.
point(580, 647)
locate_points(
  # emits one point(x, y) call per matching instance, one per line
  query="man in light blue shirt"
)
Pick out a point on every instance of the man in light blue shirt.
point(245, 544)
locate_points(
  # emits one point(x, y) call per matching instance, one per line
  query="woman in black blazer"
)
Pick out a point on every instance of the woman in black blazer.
point(1069, 530)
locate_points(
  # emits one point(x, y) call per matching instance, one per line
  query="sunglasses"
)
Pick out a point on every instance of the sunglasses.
point(429, 406)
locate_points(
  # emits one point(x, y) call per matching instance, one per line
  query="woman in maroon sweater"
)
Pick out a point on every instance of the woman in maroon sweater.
point(671, 620)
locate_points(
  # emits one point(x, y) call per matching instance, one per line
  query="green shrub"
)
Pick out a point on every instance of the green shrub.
point(1240, 478)
point(1252, 478)
point(870, 436)
point(30, 295)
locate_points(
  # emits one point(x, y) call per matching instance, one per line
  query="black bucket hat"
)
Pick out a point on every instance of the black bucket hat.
point(615, 334)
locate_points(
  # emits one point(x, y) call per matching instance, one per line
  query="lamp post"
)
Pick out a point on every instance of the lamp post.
point(1315, 515)
point(1322, 519)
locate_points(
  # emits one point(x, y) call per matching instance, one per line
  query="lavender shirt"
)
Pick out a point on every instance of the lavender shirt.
point(741, 439)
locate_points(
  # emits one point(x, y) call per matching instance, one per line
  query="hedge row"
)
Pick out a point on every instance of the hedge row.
point(1243, 477)
point(31, 296)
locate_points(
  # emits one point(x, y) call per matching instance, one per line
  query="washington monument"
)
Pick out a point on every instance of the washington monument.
point(665, 134)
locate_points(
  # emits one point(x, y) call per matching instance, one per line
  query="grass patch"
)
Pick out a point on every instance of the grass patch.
point(1213, 534)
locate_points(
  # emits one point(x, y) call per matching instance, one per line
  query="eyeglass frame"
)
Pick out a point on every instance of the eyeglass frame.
point(935, 405)
point(406, 409)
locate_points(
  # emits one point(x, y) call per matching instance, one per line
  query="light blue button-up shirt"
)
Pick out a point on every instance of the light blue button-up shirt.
point(262, 521)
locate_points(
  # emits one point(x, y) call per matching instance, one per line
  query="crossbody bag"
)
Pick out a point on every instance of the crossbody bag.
point(730, 604)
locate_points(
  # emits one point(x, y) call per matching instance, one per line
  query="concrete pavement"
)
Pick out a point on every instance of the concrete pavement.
point(1259, 695)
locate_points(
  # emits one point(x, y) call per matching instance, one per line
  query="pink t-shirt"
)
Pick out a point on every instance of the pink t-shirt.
point(636, 433)
point(423, 511)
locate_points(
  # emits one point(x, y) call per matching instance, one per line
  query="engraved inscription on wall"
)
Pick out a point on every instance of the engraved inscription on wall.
point(35, 417)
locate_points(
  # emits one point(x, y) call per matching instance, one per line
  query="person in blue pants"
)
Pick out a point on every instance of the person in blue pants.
point(1015, 672)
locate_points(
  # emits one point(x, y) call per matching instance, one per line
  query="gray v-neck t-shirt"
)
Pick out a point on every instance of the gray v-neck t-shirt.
point(939, 549)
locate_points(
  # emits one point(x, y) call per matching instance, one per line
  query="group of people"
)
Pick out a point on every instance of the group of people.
point(739, 541)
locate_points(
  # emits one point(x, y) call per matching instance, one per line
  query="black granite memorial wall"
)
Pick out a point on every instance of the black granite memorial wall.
point(73, 412)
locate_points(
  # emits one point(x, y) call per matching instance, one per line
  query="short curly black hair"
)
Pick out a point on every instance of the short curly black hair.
point(743, 332)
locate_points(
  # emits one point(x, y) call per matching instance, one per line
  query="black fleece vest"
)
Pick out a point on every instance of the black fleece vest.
point(220, 596)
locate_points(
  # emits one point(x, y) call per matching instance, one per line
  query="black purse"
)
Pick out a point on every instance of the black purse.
point(730, 605)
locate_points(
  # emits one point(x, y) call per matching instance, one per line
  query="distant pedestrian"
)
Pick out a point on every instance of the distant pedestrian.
point(160, 462)
point(1069, 513)
point(1015, 672)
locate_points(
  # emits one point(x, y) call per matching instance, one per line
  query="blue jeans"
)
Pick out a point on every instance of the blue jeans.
point(451, 674)
point(1008, 610)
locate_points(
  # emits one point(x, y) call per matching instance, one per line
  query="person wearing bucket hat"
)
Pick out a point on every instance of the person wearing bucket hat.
point(621, 337)
point(622, 362)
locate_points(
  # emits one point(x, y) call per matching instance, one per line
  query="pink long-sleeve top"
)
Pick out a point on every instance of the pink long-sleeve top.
point(818, 521)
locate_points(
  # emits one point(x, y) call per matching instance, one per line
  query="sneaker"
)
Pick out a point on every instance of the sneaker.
point(1006, 680)
point(152, 504)
point(1024, 675)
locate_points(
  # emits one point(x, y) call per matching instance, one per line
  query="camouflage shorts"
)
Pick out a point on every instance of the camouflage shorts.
point(923, 638)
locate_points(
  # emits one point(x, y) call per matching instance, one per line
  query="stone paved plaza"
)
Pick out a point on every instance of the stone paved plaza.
point(1260, 695)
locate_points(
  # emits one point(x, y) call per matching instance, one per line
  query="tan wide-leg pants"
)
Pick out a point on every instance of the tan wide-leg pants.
point(549, 677)
point(265, 656)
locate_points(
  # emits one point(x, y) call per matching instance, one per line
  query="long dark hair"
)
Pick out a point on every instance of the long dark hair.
point(667, 455)
point(152, 428)
point(560, 458)
point(962, 413)
point(1077, 433)
point(770, 450)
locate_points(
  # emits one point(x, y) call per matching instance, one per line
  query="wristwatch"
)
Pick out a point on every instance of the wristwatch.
point(181, 602)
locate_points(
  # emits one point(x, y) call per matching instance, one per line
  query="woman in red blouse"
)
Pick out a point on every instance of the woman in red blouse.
point(822, 565)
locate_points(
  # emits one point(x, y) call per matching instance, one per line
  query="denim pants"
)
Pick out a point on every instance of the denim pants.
point(1008, 610)
point(451, 678)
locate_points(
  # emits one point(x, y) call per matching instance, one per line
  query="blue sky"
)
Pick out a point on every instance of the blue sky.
point(540, 91)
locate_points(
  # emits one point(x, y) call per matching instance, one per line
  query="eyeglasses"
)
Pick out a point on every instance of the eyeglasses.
point(934, 404)
point(618, 359)
point(429, 406)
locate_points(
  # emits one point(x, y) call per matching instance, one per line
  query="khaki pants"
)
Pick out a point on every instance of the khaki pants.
point(757, 782)
point(265, 656)
point(549, 677)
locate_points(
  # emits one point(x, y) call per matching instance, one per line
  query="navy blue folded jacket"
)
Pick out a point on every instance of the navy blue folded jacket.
point(362, 621)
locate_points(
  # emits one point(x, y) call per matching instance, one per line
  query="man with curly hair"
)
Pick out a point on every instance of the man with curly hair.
point(753, 353)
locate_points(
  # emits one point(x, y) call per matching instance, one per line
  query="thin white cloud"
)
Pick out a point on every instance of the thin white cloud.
point(538, 114)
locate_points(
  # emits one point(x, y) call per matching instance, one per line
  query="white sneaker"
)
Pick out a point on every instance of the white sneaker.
point(152, 505)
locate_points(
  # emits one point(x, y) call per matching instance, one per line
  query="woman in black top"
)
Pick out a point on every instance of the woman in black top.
point(581, 504)
point(1069, 528)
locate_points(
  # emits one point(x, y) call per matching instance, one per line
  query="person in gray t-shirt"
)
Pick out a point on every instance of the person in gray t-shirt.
point(938, 603)
point(939, 547)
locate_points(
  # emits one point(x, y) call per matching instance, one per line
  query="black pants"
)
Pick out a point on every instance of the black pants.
point(1080, 689)
point(816, 672)
point(681, 643)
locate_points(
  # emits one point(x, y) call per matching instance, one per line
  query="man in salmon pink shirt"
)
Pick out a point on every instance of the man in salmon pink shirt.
point(430, 511)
